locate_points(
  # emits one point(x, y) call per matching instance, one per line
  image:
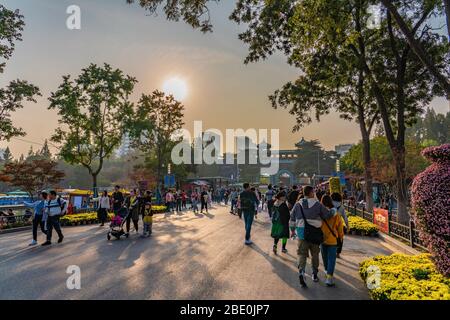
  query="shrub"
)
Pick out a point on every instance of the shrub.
point(406, 277)
point(431, 205)
point(362, 226)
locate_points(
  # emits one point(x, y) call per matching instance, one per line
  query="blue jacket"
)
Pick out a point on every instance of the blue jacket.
point(38, 206)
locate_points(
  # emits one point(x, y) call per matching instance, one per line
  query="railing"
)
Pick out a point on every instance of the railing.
point(407, 233)
point(16, 221)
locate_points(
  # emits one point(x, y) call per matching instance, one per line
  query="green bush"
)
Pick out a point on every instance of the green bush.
point(405, 277)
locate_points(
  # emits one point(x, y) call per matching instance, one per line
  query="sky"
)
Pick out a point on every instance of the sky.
point(222, 91)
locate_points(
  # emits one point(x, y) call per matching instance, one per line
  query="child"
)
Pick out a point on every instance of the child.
point(148, 220)
point(333, 233)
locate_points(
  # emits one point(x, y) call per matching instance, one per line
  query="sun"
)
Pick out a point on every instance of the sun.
point(176, 87)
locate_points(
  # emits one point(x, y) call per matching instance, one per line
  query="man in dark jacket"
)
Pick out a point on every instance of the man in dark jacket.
point(118, 199)
point(293, 196)
point(248, 202)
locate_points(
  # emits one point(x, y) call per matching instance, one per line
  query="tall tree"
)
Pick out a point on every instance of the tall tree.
point(17, 91)
point(7, 155)
point(45, 151)
point(157, 118)
point(93, 109)
point(427, 7)
point(31, 176)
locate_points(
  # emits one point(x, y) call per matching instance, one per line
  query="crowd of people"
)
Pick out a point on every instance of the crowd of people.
point(315, 218)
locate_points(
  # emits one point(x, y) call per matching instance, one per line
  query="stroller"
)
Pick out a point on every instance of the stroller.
point(116, 228)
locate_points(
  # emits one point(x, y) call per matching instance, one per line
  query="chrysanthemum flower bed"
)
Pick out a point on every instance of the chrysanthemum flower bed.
point(81, 219)
point(361, 226)
point(405, 277)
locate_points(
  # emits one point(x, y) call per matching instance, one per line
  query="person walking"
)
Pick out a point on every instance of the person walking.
point(178, 200)
point(270, 199)
point(248, 200)
point(104, 205)
point(293, 196)
point(257, 201)
point(333, 234)
point(118, 199)
point(337, 203)
point(234, 198)
point(280, 222)
point(132, 204)
point(38, 216)
point(55, 207)
point(147, 219)
point(170, 200)
point(306, 222)
point(194, 201)
point(204, 199)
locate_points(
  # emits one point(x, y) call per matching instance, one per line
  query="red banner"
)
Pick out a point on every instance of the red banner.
point(381, 219)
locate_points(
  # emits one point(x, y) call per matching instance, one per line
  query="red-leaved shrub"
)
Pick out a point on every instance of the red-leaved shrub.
point(431, 205)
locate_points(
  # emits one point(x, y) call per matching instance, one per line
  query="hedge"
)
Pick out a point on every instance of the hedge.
point(405, 277)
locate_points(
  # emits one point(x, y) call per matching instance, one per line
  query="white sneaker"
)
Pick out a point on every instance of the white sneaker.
point(329, 281)
point(248, 242)
point(33, 243)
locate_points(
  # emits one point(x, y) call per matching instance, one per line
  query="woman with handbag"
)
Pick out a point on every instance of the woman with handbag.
point(280, 222)
point(104, 205)
point(333, 235)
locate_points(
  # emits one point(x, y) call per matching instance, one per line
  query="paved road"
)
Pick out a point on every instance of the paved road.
point(188, 257)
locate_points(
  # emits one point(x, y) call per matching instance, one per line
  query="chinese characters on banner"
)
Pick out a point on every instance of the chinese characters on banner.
point(381, 219)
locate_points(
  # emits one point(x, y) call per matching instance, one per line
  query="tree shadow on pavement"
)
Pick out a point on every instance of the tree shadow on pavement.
point(315, 291)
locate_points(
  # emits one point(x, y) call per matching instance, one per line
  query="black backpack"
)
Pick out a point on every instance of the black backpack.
point(312, 234)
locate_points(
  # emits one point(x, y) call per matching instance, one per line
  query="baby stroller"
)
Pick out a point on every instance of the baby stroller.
point(116, 228)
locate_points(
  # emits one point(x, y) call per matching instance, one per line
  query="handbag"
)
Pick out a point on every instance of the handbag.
point(277, 226)
point(312, 234)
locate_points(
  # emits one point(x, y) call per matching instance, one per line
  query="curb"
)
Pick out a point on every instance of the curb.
point(398, 244)
point(12, 230)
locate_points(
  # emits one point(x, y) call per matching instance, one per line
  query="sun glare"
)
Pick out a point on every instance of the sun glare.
point(176, 87)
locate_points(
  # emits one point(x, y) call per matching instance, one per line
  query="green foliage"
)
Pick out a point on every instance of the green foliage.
point(406, 277)
point(311, 156)
point(93, 110)
point(17, 91)
point(193, 12)
point(158, 117)
point(382, 163)
point(430, 130)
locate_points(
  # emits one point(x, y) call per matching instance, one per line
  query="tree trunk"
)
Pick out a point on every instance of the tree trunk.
point(94, 185)
point(402, 194)
point(367, 171)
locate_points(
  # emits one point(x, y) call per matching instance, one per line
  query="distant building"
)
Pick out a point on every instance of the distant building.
point(342, 149)
point(125, 147)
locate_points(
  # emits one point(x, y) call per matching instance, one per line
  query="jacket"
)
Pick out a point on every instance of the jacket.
point(314, 213)
point(337, 226)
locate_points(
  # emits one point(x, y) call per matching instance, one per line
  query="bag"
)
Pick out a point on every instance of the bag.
point(277, 226)
point(312, 234)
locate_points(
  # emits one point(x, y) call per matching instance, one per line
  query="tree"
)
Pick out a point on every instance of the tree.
point(302, 28)
point(313, 159)
point(425, 58)
point(431, 127)
point(382, 164)
point(45, 151)
point(157, 118)
point(17, 91)
point(31, 176)
point(7, 155)
point(93, 110)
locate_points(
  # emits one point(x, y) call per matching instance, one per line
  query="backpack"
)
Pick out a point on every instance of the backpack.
point(247, 204)
point(312, 234)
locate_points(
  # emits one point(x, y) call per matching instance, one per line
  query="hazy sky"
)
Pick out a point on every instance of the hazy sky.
point(223, 92)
